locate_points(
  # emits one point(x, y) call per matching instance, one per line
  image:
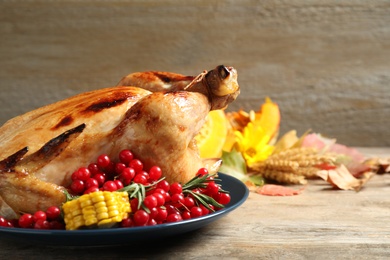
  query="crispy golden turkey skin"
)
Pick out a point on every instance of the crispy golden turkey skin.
point(154, 114)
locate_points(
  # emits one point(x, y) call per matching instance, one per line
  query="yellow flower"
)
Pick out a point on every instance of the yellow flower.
point(252, 142)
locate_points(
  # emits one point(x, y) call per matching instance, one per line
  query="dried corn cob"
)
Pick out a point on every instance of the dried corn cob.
point(96, 208)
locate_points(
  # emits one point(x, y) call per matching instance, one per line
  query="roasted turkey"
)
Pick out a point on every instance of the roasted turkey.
point(154, 114)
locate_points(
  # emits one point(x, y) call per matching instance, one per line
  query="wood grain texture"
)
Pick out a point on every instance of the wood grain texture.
point(320, 223)
point(326, 63)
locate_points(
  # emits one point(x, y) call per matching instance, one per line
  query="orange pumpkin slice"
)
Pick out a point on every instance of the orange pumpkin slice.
point(212, 135)
point(268, 117)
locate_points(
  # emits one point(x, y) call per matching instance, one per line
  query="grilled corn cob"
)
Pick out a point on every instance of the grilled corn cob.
point(101, 208)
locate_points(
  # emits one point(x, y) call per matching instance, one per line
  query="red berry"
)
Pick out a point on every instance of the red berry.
point(160, 199)
point(137, 165)
point(223, 198)
point(103, 161)
point(140, 178)
point(39, 215)
point(127, 175)
point(82, 174)
point(141, 218)
point(196, 212)
point(159, 190)
point(42, 224)
point(134, 205)
point(152, 222)
point(153, 213)
point(167, 197)
point(3, 222)
point(126, 156)
point(175, 188)
point(119, 184)
point(110, 186)
point(205, 210)
point(175, 217)
point(93, 168)
point(53, 213)
point(77, 186)
point(119, 168)
point(186, 215)
point(74, 176)
point(155, 173)
point(26, 221)
point(91, 189)
point(163, 185)
point(110, 170)
point(127, 222)
point(150, 201)
point(202, 172)
point(177, 198)
point(189, 202)
point(212, 189)
point(91, 182)
point(161, 214)
point(56, 225)
point(11, 223)
point(171, 209)
point(100, 179)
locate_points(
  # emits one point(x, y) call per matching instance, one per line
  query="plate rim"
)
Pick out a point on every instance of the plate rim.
point(45, 234)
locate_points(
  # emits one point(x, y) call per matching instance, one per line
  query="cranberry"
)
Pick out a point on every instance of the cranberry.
point(196, 212)
point(100, 179)
point(137, 165)
point(159, 198)
point(39, 215)
point(127, 222)
point(110, 186)
point(140, 178)
point(26, 221)
point(125, 156)
point(174, 217)
point(3, 222)
point(202, 172)
point(77, 186)
point(175, 188)
point(150, 201)
point(91, 182)
point(103, 161)
point(119, 168)
point(82, 174)
point(155, 173)
point(41, 224)
point(163, 185)
point(141, 218)
point(53, 213)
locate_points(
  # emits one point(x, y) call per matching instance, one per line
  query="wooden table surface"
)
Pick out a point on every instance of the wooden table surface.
point(320, 223)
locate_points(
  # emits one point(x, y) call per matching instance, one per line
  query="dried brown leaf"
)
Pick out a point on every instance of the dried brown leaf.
point(341, 178)
point(379, 165)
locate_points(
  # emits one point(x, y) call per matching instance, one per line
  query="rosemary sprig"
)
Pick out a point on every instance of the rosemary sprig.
point(138, 191)
point(201, 182)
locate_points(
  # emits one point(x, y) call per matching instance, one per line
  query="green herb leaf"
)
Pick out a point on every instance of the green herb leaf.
point(234, 164)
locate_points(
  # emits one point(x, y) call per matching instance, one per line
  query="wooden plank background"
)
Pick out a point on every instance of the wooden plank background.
point(326, 63)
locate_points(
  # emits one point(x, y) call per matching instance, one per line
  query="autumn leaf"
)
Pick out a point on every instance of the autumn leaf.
point(341, 178)
point(379, 165)
point(277, 190)
point(234, 164)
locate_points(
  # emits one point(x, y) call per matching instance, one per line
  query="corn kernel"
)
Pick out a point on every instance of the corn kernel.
point(97, 208)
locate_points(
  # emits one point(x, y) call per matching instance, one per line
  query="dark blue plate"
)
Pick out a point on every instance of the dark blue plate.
point(116, 236)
